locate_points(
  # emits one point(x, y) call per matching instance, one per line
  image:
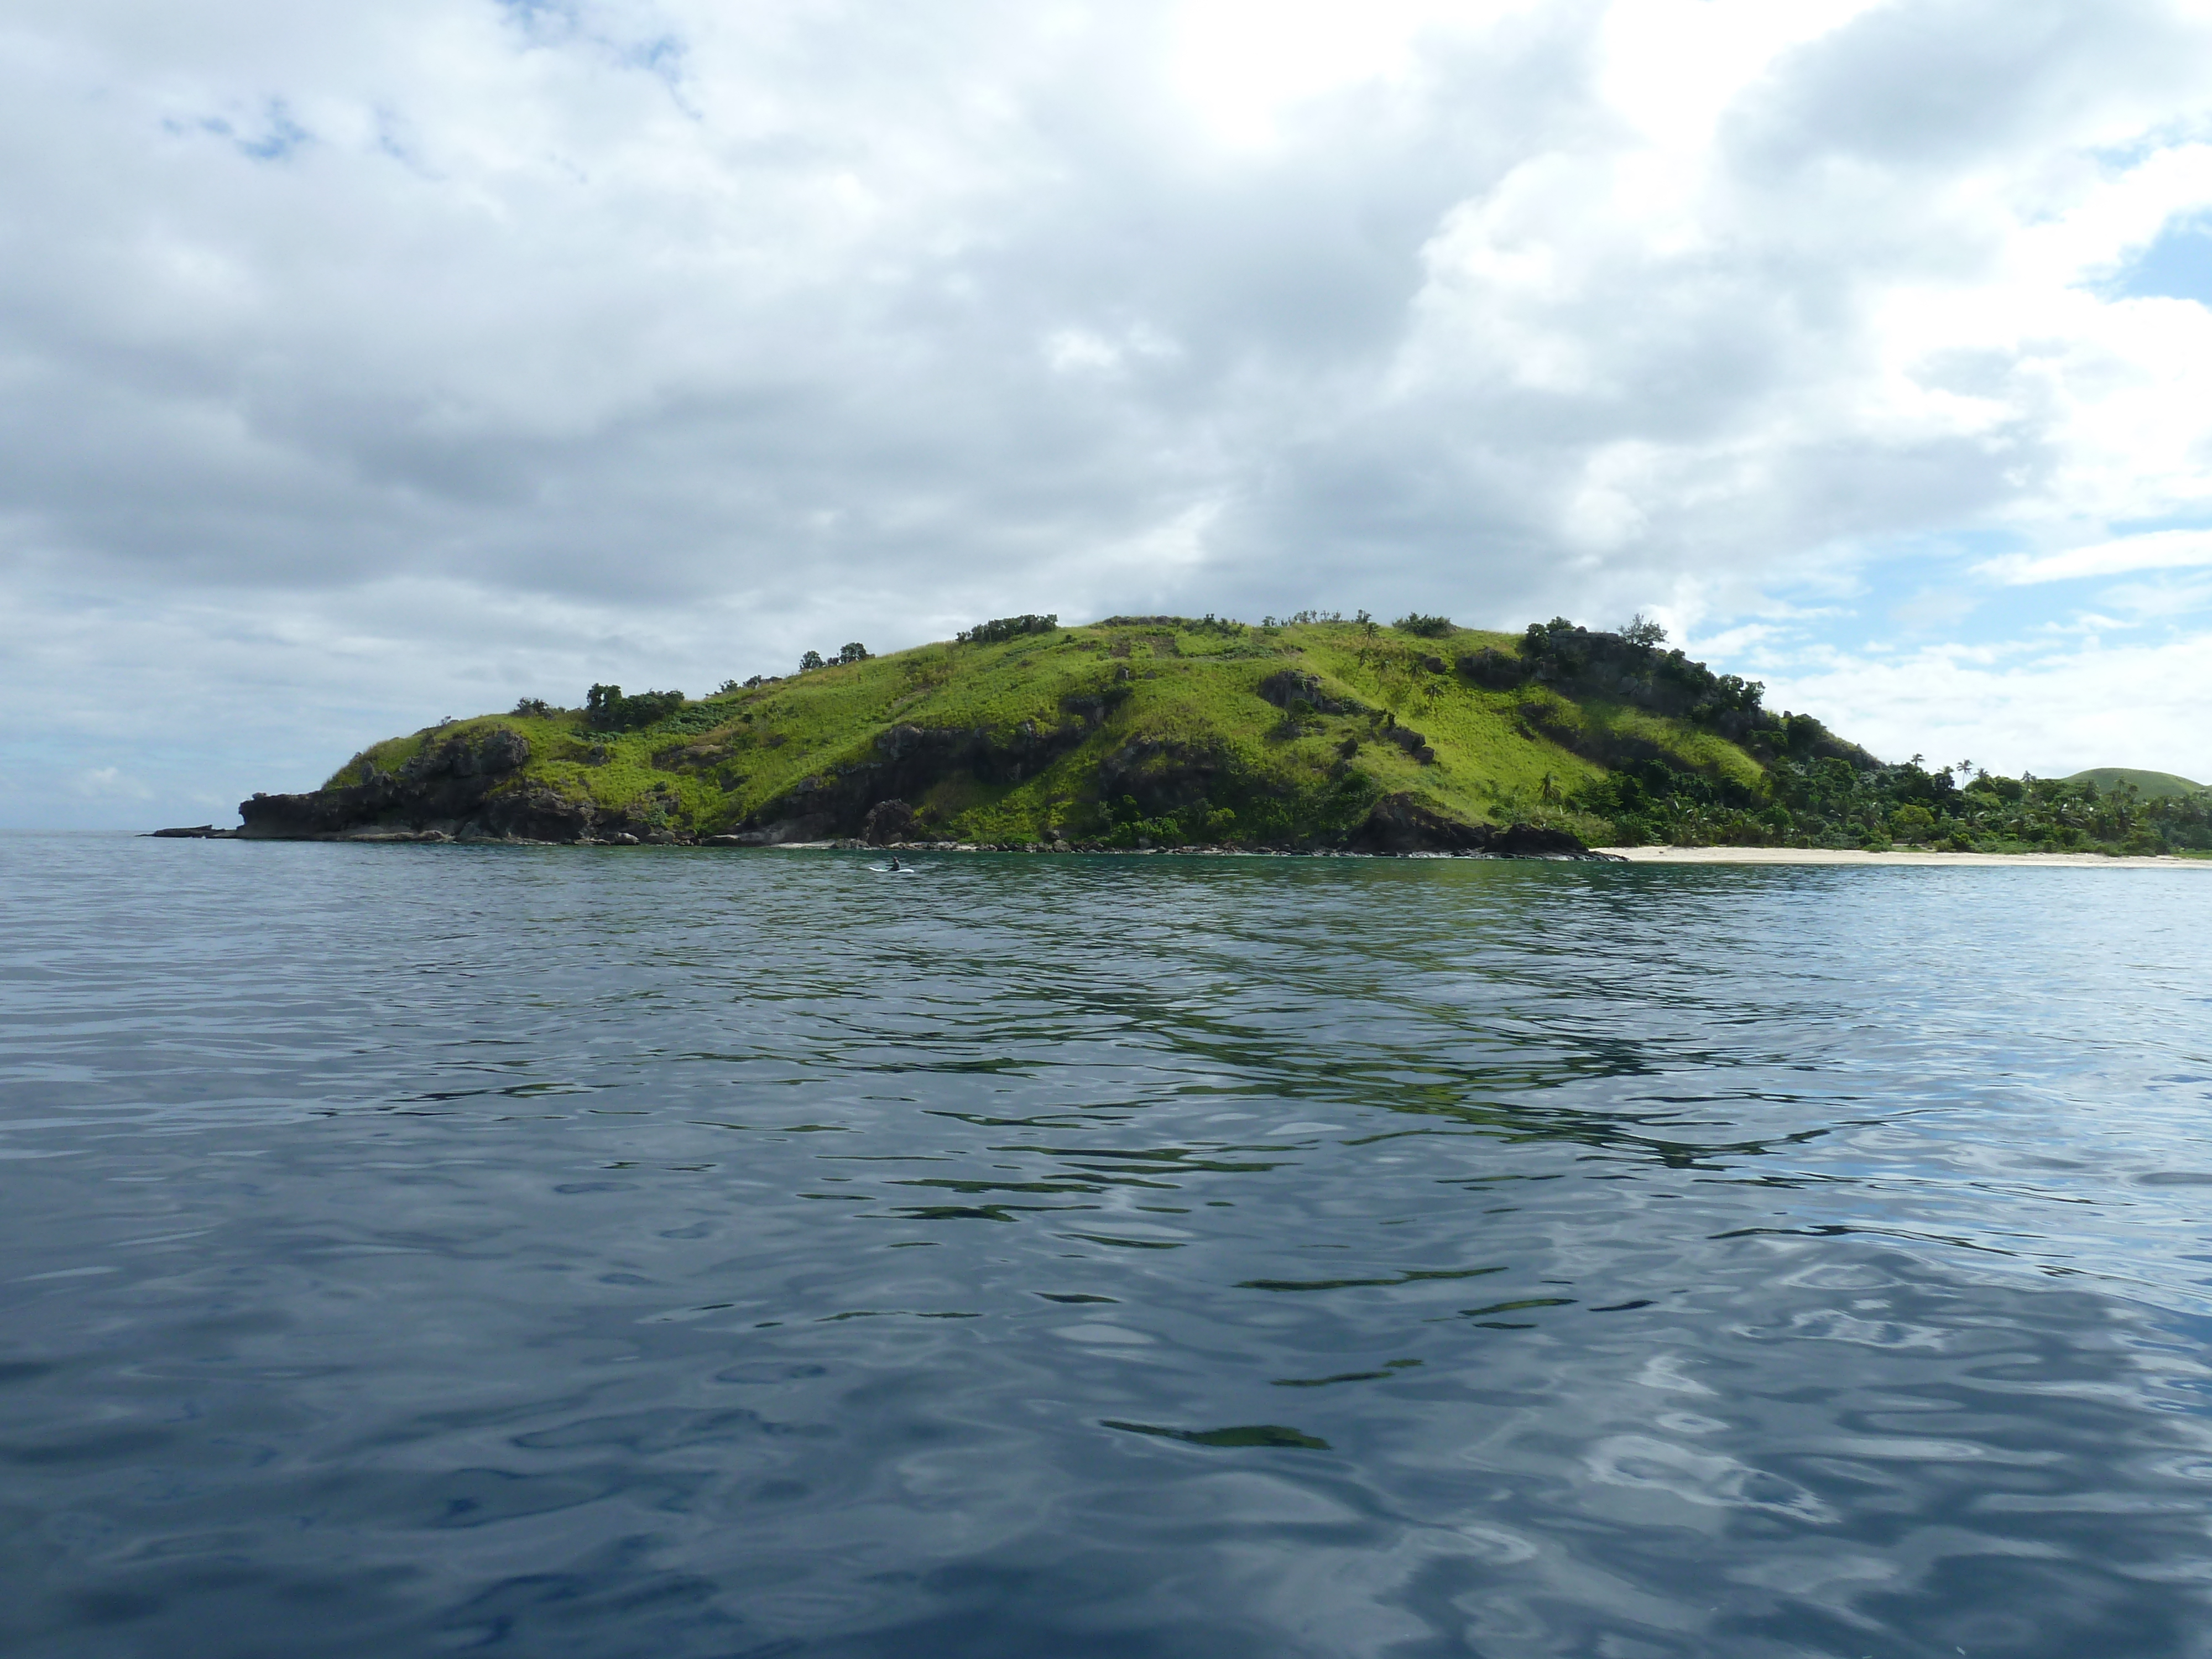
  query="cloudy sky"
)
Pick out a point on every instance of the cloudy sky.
point(364, 365)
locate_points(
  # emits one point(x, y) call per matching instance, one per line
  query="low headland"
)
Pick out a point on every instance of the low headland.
point(1312, 733)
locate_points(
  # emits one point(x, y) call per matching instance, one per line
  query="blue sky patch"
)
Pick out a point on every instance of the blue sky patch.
point(2176, 266)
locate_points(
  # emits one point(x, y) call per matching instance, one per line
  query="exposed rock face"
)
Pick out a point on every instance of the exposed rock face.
point(1529, 841)
point(1162, 775)
point(910, 760)
point(1288, 686)
point(487, 753)
point(889, 821)
point(692, 757)
point(1413, 743)
point(463, 786)
point(1494, 671)
point(1402, 823)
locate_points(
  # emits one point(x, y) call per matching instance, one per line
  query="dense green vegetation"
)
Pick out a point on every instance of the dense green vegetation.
point(1167, 730)
point(1829, 803)
point(606, 708)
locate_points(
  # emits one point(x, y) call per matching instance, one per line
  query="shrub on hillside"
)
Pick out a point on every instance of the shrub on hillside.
point(606, 709)
point(1423, 627)
point(1007, 628)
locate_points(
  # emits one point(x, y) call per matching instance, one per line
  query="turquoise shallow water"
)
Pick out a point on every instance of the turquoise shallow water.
point(670, 1253)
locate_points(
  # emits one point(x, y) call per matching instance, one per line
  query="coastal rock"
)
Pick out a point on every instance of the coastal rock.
point(197, 832)
point(811, 826)
point(889, 821)
point(461, 788)
point(1405, 823)
point(1530, 841)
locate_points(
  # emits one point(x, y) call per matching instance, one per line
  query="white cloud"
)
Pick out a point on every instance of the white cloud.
point(2054, 714)
point(582, 329)
point(1244, 66)
point(2159, 550)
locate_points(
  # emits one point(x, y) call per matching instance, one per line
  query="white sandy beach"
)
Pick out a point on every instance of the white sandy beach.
point(1828, 855)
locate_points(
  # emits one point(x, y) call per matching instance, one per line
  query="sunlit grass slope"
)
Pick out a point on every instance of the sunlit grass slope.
point(1181, 688)
point(2152, 785)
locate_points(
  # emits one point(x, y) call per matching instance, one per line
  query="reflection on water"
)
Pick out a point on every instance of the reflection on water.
point(664, 1253)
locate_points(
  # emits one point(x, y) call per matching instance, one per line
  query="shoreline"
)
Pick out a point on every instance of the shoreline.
point(1915, 858)
point(1920, 858)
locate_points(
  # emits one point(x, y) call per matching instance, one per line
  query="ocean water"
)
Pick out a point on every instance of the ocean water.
point(670, 1253)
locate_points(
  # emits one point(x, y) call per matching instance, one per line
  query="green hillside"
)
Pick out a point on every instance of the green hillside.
point(1163, 731)
point(2151, 785)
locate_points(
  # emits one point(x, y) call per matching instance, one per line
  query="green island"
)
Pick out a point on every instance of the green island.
point(1312, 733)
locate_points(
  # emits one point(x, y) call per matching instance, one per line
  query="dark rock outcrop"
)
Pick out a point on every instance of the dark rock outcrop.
point(692, 757)
point(1163, 775)
point(1404, 824)
point(1493, 671)
point(1533, 841)
point(1413, 743)
point(479, 755)
point(463, 787)
point(911, 760)
point(197, 832)
point(1288, 685)
point(889, 821)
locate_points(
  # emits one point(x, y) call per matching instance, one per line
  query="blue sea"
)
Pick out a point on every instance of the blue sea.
point(669, 1252)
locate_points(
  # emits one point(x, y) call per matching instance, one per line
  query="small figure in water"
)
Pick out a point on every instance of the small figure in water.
point(895, 863)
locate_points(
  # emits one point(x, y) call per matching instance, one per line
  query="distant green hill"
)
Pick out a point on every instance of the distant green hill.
point(2152, 785)
point(1136, 730)
point(1313, 733)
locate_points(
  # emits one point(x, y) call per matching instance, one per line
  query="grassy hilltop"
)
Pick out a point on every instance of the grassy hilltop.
point(1169, 731)
point(2152, 785)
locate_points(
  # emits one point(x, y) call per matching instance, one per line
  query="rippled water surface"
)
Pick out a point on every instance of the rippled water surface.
point(666, 1253)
